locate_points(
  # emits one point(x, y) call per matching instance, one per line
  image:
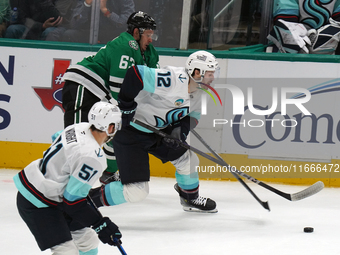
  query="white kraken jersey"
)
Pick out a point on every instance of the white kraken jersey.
point(165, 98)
point(68, 170)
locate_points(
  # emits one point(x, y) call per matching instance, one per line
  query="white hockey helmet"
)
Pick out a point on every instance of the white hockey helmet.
point(102, 114)
point(203, 61)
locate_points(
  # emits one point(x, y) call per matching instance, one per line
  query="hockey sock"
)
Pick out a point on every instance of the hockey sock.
point(187, 182)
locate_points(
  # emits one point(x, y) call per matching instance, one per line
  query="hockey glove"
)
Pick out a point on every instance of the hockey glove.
point(128, 110)
point(290, 37)
point(108, 232)
point(172, 143)
point(177, 137)
point(180, 131)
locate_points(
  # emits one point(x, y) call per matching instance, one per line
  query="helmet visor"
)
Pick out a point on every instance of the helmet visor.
point(149, 33)
point(217, 72)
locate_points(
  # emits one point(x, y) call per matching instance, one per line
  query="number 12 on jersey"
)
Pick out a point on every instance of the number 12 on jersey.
point(164, 79)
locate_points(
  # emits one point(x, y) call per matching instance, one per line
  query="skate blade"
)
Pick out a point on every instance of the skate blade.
point(192, 209)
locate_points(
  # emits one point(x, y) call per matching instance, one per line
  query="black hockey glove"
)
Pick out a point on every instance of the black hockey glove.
point(128, 110)
point(178, 136)
point(180, 131)
point(172, 143)
point(108, 232)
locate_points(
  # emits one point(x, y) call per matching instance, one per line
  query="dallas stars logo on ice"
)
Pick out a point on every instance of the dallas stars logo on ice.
point(301, 97)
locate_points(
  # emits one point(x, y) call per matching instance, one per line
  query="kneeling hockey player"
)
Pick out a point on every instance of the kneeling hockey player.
point(168, 99)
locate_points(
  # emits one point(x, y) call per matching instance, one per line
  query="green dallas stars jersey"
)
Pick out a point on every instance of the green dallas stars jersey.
point(104, 72)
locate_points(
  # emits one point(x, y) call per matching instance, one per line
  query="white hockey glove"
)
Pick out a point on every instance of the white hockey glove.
point(325, 40)
point(290, 37)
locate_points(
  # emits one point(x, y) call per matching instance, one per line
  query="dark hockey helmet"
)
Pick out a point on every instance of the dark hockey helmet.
point(142, 21)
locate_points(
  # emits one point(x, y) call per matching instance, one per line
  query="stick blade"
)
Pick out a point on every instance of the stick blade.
point(266, 205)
point(315, 188)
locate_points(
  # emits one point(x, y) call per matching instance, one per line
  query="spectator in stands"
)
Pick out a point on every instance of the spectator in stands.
point(36, 18)
point(66, 9)
point(112, 20)
point(301, 27)
point(168, 19)
point(4, 16)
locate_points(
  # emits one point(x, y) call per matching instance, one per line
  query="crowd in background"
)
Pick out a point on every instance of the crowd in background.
point(62, 20)
point(70, 20)
point(218, 25)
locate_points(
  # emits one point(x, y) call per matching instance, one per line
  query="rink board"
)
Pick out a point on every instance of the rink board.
point(30, 111)
point(17, 155)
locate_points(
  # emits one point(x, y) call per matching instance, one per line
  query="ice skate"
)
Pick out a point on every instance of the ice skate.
point(200, 204)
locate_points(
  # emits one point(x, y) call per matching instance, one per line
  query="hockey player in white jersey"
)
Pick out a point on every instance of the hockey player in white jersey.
point(168, 99)
point(52, 197)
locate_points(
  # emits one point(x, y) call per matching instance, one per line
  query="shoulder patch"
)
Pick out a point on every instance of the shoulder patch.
point(71, 136)
point(133, 44)
point(99, 155)
point(181, 78)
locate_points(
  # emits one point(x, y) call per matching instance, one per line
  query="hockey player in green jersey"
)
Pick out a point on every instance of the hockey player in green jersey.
point(100, 76)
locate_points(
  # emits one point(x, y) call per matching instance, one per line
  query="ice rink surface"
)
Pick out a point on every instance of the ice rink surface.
point(158, 225)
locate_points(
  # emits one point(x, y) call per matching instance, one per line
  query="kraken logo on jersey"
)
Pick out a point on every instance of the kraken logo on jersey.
point(317, 13)
point(172, 117)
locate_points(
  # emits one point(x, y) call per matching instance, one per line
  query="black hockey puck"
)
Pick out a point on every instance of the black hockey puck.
point(308, 229)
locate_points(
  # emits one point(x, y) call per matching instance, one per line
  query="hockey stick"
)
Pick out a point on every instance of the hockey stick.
point(119, 246)
point(264, 204)
point(311, 190)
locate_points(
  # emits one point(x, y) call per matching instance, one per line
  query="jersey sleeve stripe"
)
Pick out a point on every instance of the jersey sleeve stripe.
point(137, 74)
point(291, 18)
point(115, 86)
point(115, 83)
point(30, 192)
point(76, 189)
point(116, 79)
point(86, 79)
